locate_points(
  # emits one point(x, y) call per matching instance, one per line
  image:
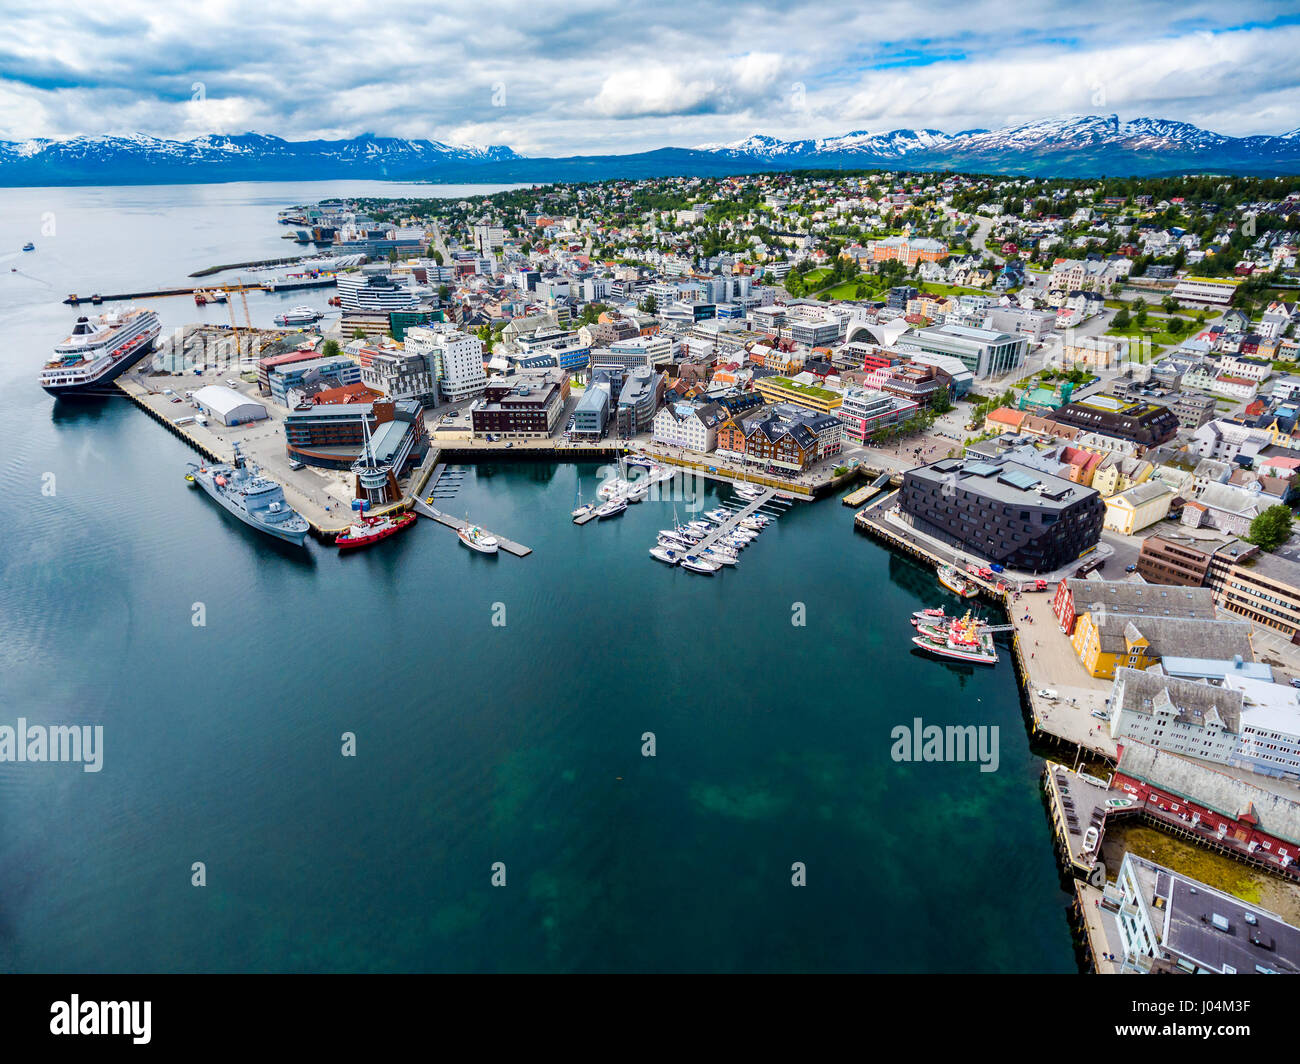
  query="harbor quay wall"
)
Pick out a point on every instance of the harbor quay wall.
point(1059, 727)
point(322, 527)
point(1067, 729)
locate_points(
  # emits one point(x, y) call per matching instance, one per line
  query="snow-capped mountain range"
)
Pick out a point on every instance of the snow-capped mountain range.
point(139, 159)
point(1073, 146)
point(1096, 135)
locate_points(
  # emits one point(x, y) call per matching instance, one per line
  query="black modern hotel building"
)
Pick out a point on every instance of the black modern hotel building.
point(1003, 511)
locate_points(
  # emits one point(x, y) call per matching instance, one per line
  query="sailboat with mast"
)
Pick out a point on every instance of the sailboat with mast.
point(581, 509)
point(746, 490)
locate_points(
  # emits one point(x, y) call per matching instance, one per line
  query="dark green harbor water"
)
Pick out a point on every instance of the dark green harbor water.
point(476, 743)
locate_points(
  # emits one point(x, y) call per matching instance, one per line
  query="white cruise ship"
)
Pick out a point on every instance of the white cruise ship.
point(98, 351)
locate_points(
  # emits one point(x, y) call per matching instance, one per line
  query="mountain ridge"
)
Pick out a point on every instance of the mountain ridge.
point(1067, 146)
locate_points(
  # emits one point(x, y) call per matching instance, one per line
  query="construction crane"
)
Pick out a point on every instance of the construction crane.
point(230, 290)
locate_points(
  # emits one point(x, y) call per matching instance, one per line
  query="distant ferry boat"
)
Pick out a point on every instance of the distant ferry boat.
point(98, 351)
point(299, 316)
point(255, 499)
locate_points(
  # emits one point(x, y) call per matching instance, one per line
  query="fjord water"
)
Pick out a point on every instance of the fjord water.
point(476, 743)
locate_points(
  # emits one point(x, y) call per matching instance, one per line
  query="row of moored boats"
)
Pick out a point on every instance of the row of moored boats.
point(685, 544)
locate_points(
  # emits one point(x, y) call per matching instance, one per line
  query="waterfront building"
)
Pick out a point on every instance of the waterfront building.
point(374, 293)
point(826, 428)
point(688, 426)
point(1003, 511)
point(1074, 596)
point(638, 401)
point(1178, 715)
point(591, 415)
point(1105, 641)
point(1212, 803)
point(331, 436)
point(521, 406)
point(1170, 923)
point(775, 443)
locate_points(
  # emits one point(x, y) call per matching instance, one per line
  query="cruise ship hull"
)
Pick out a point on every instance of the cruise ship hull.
point(102, 386)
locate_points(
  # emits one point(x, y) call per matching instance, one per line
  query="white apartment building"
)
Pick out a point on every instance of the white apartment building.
point(455, 359)
point(1247, 722)
point(643, 350)
point(487, 237)
point(693, 428)
point(1181, 716)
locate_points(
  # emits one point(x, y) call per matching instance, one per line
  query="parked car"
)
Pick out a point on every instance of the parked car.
point(1130, 568)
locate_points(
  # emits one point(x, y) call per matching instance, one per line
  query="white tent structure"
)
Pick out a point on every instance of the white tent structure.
point(227, 405)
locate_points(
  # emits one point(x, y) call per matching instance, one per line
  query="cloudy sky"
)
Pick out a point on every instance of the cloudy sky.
point(595, 76)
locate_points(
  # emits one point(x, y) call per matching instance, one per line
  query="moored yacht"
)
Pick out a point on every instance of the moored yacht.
point(477, 539)
point(299, 316)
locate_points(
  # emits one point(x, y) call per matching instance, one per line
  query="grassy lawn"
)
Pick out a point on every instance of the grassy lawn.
point(847, 290)
point(1153, 309)
point(953, 290)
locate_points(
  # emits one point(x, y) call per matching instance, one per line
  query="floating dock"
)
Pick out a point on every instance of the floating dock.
point(424, 509)
point(730, 524)
point(857, 498)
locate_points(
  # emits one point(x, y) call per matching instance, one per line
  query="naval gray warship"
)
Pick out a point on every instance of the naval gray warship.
point(253, 498)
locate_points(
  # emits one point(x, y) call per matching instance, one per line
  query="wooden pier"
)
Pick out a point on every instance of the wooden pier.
point(857, 498)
